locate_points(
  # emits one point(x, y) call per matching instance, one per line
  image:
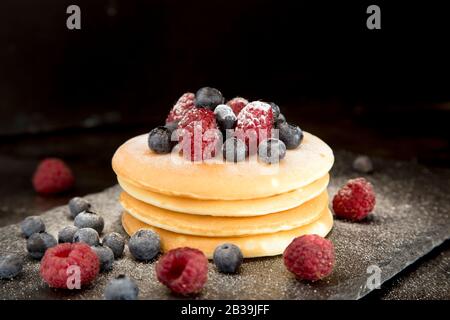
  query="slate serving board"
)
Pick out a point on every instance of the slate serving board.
point(412, 216)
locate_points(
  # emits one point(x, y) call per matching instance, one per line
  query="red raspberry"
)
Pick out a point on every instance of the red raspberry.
point(237, 104)
point(355, 200)
point(52, 176)
point(58, 259)
point(183, 270)
point(199, 135)
point(309, 257)
point(183, 105)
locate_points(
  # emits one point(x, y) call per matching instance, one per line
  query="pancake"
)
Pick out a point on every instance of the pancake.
point(238, 208)
point(252, 246)
point(209, 226)
point(173, 175)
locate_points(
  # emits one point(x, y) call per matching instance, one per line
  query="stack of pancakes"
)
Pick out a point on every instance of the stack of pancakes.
point(259, 207)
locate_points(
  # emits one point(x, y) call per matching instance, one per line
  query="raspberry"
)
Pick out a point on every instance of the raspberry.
point(183, 270)
point(199, 135)
point(52, 176)
point(183, 105)
point(355, 200)
point(237, 104)
point(309, 257)
point(57, 260)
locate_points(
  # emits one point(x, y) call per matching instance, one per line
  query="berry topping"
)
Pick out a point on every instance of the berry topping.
point(115, 242)
point(363, 164)
point(66, 234)
point(275, 110)
point(237, 104)
point(225, 117)
point(183, 270)
point(228, 258)
point(89, 219)
point(10, 265)
point(159, 140)
point(291, 135)
point(144, 245)
point(234, 150)
point(38, 243)
point(271, 150)
point(209, 98)
point(86, 235)
point(77, 205)
point(355, 200)
point(183, 105)
point(279, 121)
point(52, 176)
point(32, 224)
point(309, 257)
point(67, 265)
point(121, 288)
point(105, 257)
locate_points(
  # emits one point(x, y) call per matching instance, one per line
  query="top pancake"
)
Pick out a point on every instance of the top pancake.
point(173, 175)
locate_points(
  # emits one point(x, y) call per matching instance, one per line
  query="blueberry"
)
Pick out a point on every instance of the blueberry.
point(228, 258)
point(38, 243)
point(77, 205)
point(66, 234)
point(279, 121)
point(144, 245)
point(225, 117)
point(105, 256)
point(207, 97)
point(172, 126)
point(87, 235)
point(291, 135)
point(121, 288)
point(32, 224)
point(10, 265)
point(363, 164)
point(115, 242)
point(234, 150)
point(159, 140)
point(89, 219)
point(271, 150)
point(275, 110)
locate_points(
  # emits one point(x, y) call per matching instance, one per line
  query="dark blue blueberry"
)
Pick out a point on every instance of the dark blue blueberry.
point(234, 150)
point(105, 256)
point(159, 140)
point(225, 117)
point(207, 97)
point(144, 245)
point(172, 126)
point(77, 205)
point(89, 219)
point(87, 235)
point(228, 258)
point(121, 288)
point(32, 224)
point(279, 121)
point(271, 150)
point(11, 265)
point(291, 135)
point(275, 110)
point(115, 242)
point(66, 234)
point(38, 243)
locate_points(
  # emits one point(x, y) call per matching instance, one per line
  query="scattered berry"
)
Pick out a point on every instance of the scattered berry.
point(207, 97)
point(89, 219)
point(309, 257)
point(10, 265)
point(32, 224)
point(159, 140)
point(77, 205)
point(281, 119)
point(275, 110)
point(105, 257)
point(57, 262)
point(144, 245)
point(183, 105)
point(115, 242)
point(228, 258)
point(172, 126)
point(121, 288)
point(225, 117)
point(271, 150)
point(363, 164)
point(234, 150)
point(183, 270)
point(355, 200)
point(237, 104)
point(291, 135)
point(87, 235)
point(38, 243)
point(52, 176)
point(66, 234)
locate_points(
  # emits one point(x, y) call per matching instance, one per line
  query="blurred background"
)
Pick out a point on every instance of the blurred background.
point(78, 94)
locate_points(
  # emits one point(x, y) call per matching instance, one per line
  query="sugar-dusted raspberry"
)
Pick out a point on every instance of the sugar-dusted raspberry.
point(183, 270)
point(183, 105)
point(355, 200)
point(310, 257)
point(237, 104)
point(57, 261)
point(52, 176)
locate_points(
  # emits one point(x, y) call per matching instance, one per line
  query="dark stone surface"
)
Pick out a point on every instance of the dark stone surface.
point(412, 217)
